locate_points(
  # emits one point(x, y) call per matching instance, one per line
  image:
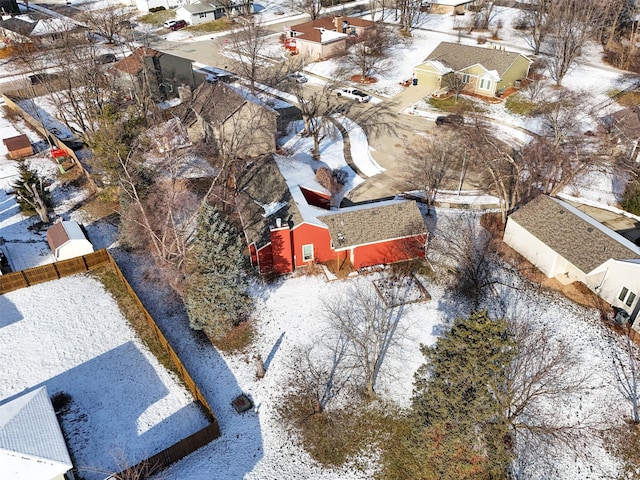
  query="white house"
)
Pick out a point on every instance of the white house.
point(567, 244)
point(67, 240)
point(31, 443)
point(201, 11)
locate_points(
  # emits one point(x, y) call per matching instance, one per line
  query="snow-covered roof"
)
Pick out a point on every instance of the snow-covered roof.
point(31, 443)
point(451, 3)
point(440, 67)
point(50, 26)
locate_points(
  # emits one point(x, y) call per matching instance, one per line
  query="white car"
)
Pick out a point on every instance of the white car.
point(297, 77)
point(353, 94)
point(169, 23)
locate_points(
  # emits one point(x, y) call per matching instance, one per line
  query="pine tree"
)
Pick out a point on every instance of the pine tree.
point(32, 192)
point(460, 426)
point(216, 292)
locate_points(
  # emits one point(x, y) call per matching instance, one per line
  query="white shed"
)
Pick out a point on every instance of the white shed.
point(67, 240)
point(31, 443)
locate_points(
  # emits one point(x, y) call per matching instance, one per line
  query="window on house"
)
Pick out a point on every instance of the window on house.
point(623, 294)
point(307, 252)
point(466, 78)
point(485, 84)
point(630, 299)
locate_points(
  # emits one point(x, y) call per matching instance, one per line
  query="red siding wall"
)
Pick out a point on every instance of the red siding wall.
point(389, 252)
point(281, 250)
point(319, 236)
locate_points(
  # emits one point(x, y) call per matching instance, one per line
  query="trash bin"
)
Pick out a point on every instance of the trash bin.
point(415, 82)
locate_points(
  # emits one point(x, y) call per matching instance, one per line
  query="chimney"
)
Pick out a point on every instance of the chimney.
point(278, 222)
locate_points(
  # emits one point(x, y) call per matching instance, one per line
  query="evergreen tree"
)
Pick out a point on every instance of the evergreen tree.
point(631, 197)
point(32, 192)
point(216, 292)
point(460, 428)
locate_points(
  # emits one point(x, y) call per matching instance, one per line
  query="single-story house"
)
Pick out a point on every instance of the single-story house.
point(39, 28)
point(31, 443)
point(201, 11)
point(325, 37)
point(624, 125)
point(565, 243)
point(288, 226)
point(231, 119)
point(18, 147)
point(482, 70)
point(454, 7)
point(165, 73)
point(67, 240)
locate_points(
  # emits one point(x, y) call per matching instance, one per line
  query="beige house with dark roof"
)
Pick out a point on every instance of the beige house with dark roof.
point(567, 244)
point(484, 70)
point(231, 119)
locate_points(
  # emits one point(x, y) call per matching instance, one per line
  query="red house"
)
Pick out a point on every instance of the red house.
point(287, 227)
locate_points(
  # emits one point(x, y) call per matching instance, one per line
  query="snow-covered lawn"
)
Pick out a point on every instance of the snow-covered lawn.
point(69, 335)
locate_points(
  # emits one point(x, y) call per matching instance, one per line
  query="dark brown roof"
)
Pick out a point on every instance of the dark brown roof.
point(212, 102)
point(581, 240)
point(18, 25)
point(17, 143)
point(311, 31)
point(262, 185)
point(56, 236)
point(134, 63)
point(626, 122)
point(373, 223)
point(459, 57)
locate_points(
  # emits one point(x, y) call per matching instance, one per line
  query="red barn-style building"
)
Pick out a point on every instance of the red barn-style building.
point(287, 227)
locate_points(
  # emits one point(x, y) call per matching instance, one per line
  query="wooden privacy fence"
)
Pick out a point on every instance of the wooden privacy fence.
point(53, 271)
point(25, 278)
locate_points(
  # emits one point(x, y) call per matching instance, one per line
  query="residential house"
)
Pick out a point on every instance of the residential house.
point(164, 73)
point(67, 240)
point(31, 443)
point(146, 5)
point(566, 244)
point(454, 7)
point(198, 12)
point(483, 70)
point(325, 37)
point(231, 119)
point(18, 146)
point(38, 28)
point(624, 125)
point(288, 226)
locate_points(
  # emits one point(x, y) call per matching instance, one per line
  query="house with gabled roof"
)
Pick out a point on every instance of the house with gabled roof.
point(31, 443)
point(325, 37)
point(566, 244)
point(38, 27)
point(454, 7)
point(288, 225)
point(67, 240)
point(231, 119)
point(483, 70)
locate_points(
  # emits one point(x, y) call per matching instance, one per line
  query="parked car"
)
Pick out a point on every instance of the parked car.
point(297, 77)
point(450, 120)
point(178, 25)
point(169, 23)
point(107, 58)
point(353, 94)
point(39, 78)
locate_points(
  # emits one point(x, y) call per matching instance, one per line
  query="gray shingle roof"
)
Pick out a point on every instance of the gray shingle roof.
point(372, 223)
point(213, 102)
point(459, 57)
point(262, 185)
point(581, 240)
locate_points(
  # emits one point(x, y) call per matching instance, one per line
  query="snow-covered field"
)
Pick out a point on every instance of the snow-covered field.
point(133, 405)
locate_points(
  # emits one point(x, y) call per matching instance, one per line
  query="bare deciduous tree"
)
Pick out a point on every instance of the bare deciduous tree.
point(247, 44)
point(410, 14)
point(369, 329)
point(573, 23)
point(370, 53)
point(313, 8)
point(108, 22)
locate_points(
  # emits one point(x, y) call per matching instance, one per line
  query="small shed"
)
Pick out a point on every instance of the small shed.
point(18, 147)
point(67, 240)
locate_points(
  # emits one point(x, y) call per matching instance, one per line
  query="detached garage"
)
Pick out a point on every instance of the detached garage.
point(18, 147)
point(67, 240)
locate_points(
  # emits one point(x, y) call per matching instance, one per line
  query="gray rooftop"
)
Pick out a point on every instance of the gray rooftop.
point(29, 427)
point(583, 241)
point(262, 189)
point(459, 57)
point(372, 223)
